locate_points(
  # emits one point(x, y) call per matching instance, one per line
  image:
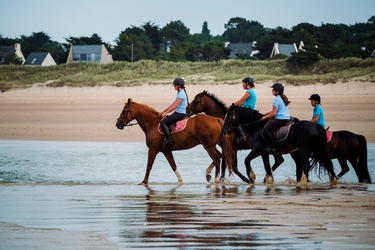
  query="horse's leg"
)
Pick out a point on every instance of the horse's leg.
point(169, 156)
point(296, 157)
point(305, 165)
point(209, 170)
point(344, 167)
point(150, 161)
point(279, 159)
point(215, 156)
point(250, 173)
point(268, 178)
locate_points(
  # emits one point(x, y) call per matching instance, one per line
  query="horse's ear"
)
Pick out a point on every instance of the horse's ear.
point(204, 92)
point(129, 100)
point(232, 106)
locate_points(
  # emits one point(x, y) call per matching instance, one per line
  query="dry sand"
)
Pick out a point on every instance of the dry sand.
point(341, 218)
point(89, 114)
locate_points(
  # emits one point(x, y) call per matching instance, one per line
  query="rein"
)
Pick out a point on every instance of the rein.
point(250, 123)
point(133, 124)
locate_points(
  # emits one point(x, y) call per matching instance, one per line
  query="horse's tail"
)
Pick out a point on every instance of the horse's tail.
point(362, 160)
point(320, 152)
point(227, 151)
point(226, 146)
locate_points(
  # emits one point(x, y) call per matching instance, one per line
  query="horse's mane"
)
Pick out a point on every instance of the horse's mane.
point(149, 108)
point(216, 99)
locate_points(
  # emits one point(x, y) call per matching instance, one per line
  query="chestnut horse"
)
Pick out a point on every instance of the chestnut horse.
point(210, 104)
point(200, 129)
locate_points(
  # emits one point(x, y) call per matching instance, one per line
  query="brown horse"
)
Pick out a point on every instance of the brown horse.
point(200, 129)
point(210, 104)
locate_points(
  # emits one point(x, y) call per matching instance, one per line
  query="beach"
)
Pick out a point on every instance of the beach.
point(90, 113)
point(93, 200)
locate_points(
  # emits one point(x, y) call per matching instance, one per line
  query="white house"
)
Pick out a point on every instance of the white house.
point(89, 54)
point(40, 59)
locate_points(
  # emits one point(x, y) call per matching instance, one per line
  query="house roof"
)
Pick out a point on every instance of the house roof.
point(287, 49)
point(5, 50)
point(84, 49)
point(36, 58)
point(240, 48)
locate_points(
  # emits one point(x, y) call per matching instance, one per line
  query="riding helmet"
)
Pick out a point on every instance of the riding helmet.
point(279, 87)
point(179, 81)
point(315, 97)
point(248, 80)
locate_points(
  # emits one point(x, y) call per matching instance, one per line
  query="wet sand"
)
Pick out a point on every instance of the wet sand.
point(189, 216)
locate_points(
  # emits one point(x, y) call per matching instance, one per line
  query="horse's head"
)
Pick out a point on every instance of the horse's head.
point(197, 105)
point(125, 116)
point(231, 120)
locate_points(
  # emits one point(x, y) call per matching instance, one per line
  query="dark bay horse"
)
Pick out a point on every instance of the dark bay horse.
point(309, 139)
point(346, 146)
point(210, 104)
point(195, 133)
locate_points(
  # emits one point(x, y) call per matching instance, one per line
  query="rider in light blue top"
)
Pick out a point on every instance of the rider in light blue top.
point(248, 100)
point(318, 113)
point(279, 115)
point(178, 106)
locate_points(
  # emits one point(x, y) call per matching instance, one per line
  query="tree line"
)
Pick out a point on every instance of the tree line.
point(173, 42)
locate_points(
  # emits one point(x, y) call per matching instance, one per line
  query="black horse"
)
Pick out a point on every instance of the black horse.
point(309, 139)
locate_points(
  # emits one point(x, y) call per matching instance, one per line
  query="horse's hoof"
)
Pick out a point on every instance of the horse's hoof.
point(208, 178)
point(143, 183)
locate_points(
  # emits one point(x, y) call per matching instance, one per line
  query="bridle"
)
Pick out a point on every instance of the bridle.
point(137, 123)
point(234, 117)
point(194, 104)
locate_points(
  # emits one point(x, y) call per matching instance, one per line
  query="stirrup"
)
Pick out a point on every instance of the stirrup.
point(167, 142)
point(240, 139)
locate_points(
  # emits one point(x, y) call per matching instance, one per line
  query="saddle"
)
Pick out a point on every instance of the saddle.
point(282, 133)
point(175, 127)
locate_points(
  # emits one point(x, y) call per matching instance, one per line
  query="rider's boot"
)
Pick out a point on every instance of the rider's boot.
point(168, 138)
point(240, 135)
point(269, 140)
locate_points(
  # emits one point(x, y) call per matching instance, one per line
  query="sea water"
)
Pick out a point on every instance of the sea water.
point(66, 162)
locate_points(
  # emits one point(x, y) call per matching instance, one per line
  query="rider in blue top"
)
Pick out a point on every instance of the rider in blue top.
point(318, 113)
point(279, 114)
point(179, 108)
point(248, 100)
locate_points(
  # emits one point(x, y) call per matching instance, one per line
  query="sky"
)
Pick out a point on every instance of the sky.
point(61, 19)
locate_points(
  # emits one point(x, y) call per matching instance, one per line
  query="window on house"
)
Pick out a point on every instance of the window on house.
point(83, 57)
point(92, 57)
point(33, 61)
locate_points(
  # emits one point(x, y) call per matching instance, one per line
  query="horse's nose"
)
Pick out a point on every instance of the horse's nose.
point(120, 124)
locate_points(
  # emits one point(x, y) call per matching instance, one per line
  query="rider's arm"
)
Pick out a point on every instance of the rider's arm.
point(172, 107)
point(315, 119)
point(242, 100)
point(270, 114)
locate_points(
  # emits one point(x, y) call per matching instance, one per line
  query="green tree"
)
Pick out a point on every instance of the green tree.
point(153, 32)
point(133, 44)
point(240, 30)
point(175, 32)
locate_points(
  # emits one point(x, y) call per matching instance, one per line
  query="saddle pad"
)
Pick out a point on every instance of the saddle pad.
point(329, 135)
point(283, 132)
point(177, 127)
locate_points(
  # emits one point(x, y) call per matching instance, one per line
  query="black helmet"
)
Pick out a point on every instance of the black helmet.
point(315, 97)
point(179, 81)
point(248, 80)
point(279, 87)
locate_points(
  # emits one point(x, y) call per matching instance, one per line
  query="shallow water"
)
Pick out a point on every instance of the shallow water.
point(51, 162)
point(84, 195)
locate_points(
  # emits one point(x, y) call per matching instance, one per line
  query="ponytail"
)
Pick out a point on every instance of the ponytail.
point(285, 99)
